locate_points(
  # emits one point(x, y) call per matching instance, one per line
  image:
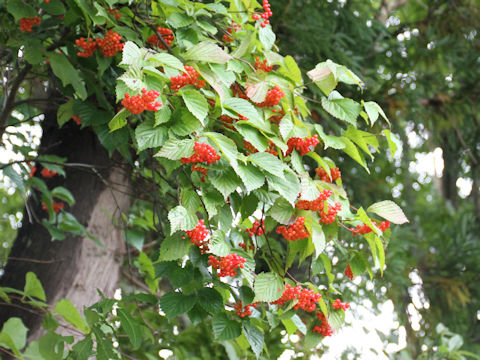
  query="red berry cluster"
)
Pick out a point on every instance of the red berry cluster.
point(57, 206)
point(275, 119)
point(47, 173)
point(110, 44)
point(238, 91)
point(329, 216)
point(77, 120)
point(324, 329)
point(273, 97)
point(233, 27)
point(244, 311)
point(244, 246)
point(259, 65)
point(334, 174)
point(303, 145)
point(167, 36)
point(365, 229)
point(204, 153)
point(252, 150)
point(316, 205)
point(115, 12)
point(202, 170)
point(189, 77)
point(26, 24)
point(139, 103)
point(227, 264)
point(307, 298)
point(265, 15)
point(257, 229)
point(339, 305)
point(199, 236)
point(228, 121)
point(88, 47)
point(296, 231)
point(349, 272)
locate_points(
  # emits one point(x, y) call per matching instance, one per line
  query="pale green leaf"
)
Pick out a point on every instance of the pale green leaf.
point(66, 309)
point(207, 51)
point(268, 287)
point(390, 211)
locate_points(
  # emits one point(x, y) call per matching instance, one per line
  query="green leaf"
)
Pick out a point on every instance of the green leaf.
point(162, 115)
point(54, 7)
point(119, 120)
point(174, 247)
point(63, 194)
point(196, 104)
point(15, 178)
point(268, 162)
point(293, 71)
point(218, 245)
point(323, 78)
point(19, 9)
point(190, 199)
point(148, 136)
point(318, 238)
point(210, 300)
point(289, 187)
point(362, 215)
point(255, 337)
point(66, 309)
point(268, 287)
point(225, 329)
point(373, 109)
point(390, 211)
point(33, 287)
point(131, 54)
point(68, 222)
point(253, 136)
point(14, 334)
point(181, 219)
point(174, 303)
point(65, 112)
point(207, 51)
point(308, 188)
point(251, 176)
point(175, 149)
point(312, 339)
point(65, 71)
point(179, 20)
point(341, 108)
point(394, 142)
point(226, 181)
point(83, 349)
point(243, 107)
point(351, 150)
point(146, 267)
point(227, 147)
point(131, 327)
point(167, 60)
point(334, 142)
point(267, 37)
point(184, 123)
point(360, 138)
point(282, 211)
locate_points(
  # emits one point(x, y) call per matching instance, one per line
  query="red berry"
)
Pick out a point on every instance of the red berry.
point(227, 265)
point(296, 231)
point(189, 77)
point(273, 97)
point(348, 272)
point(303, 145)
point(167, 36)
point(339, 305)
point(26, 24)
point(199, 236)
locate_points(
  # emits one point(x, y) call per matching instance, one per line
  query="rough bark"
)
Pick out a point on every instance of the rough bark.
point(75, 267)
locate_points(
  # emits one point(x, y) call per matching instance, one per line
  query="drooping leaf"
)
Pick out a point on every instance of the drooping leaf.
point(268, 287)
point(389, 210)
point(66, 309)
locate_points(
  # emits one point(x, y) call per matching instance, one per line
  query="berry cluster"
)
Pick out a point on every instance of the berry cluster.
point(339, 305)
point(227, 264)
point(189, 77)
point(77, 120)
point(228, 121)
point(202, 170)
point(296, 231)
point(139, 103)
point(48, 173)
point(204, 153)
point(244, 246)
point(307, 298)
point(251, 149)
point(238, 91)
point(259, 65)
point(334, 174)
point(257, 229)
point(265, 15)
point(349, 272)
point(233, 27)
point(329, 216)
point(316, 205)
point(365, 229)
point(26, 24)
point(57, 206)
point(273, 97)
point(303, 145)
point(110, 44)
point(275, 119)
point(199, 236)
point(244, 311)
point(324, 329)
point(167, 36)
point(115, 12)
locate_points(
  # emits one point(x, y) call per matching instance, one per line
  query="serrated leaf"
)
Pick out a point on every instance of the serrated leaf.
point(286, 126)
point(334, 142)
point(180, 20)
point(167, 60)
point(268, 162)
point(19, 9)
point(267, 37)
point(289, 187)
point(207, 51)
point(227, 147)
point(33, 287)
point(148, 136)
point(394, 142)
point(162, 115)
point(318, 239)
point(196, 104)
point(210, 300)
point(65, 71)
point(175, 149)
point(323, 78)
point(14, 334)
point(390, 211)
point(190, 199)
point(224, 328)
point(351, 150)
point(226, 181)
point(66, 309)
point(83, 349)
point(293, 71)
point(282, 211)
point(373, 110)
point(218, 245)
point(174, 303)
point(342, 108)
point(131, 327)
point(174, 247)
point(243, 107)
point(131, 54)
point(119, 120)
point(251, 176)
point(268, 287)
point(312, 339)
point(253, 136)
point(181, 219)
point(15, 178)
point(255, 337)
point(65, 112)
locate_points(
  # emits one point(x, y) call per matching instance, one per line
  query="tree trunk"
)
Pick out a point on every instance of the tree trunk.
point(75, 267)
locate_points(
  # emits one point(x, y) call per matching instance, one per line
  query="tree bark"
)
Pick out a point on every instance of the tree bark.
point(75, 267)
